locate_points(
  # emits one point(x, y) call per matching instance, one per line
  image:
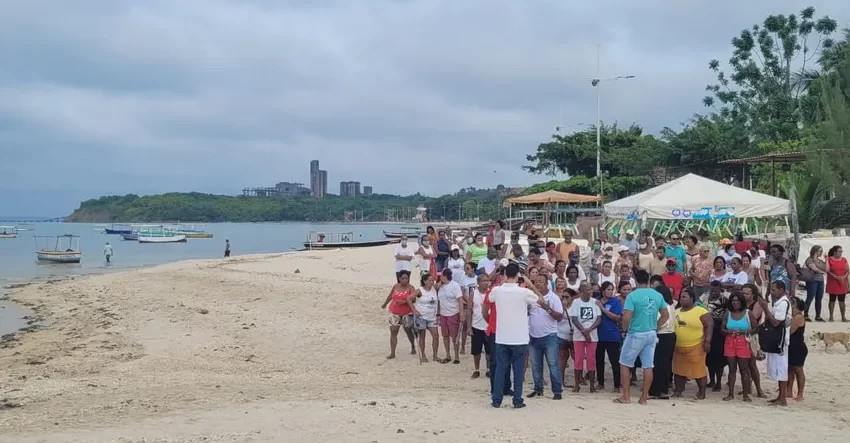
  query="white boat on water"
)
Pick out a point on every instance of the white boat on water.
point(8, 232)
point(60, 249)
point(160, 236)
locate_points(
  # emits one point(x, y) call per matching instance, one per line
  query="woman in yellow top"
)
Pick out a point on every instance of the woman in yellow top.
point(694, 329)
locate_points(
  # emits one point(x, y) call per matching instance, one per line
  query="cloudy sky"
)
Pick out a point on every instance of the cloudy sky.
point(115, 96)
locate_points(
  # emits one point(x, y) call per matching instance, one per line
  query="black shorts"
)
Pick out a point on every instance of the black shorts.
point(479, 341)
point(227, 253)
point(498, 247)
point(838, 297)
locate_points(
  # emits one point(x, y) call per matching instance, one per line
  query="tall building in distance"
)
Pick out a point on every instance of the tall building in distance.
point(367, 191)
point(318, 180)
point(349, 189)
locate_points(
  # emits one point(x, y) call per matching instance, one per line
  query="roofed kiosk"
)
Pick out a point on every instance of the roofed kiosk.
point(552, 197)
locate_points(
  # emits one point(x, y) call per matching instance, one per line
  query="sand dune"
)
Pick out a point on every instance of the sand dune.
point(247, 350)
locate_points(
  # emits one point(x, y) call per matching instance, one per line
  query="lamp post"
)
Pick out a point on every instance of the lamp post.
point(595, 83)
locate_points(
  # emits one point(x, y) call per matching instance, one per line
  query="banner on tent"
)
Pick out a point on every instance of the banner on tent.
point(704, 213)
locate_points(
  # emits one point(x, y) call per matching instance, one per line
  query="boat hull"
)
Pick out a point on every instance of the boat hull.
point(197, 235)
point(8, 235)
point(401, 234)
point(130, 237)
point(58, 256)
point(118, 231)
point(164, 239)
point(337, 245)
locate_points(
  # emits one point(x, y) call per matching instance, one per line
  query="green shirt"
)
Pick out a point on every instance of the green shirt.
point(477, 253)
point(644, 304)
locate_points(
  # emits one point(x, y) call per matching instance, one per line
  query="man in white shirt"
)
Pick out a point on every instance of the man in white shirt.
point(403, 257)
point(543, 330)
point(512, 302)
point(488, 265)
point(778, 315)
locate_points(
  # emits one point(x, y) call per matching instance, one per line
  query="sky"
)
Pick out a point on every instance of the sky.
point(104, 97)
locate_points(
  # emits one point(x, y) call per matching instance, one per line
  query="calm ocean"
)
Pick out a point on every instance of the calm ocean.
point(18, 263)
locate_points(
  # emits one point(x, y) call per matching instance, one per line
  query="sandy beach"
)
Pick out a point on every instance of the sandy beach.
point(249, 350)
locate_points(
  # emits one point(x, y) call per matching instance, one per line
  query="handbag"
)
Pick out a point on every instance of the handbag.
point(772, 338)
point(804, 274)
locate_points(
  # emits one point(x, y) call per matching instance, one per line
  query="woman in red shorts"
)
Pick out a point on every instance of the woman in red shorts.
point(836, 281)
point(737, 326)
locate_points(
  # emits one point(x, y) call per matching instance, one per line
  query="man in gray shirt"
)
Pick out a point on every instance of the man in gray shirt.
point(630, 242)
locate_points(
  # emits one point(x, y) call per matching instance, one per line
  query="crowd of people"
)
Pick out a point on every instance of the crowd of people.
point(677, 310)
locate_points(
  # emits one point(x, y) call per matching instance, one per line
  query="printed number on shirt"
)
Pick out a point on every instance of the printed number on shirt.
point(585, 313)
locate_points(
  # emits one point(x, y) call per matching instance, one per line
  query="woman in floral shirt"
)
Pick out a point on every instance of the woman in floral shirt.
point(701, 267)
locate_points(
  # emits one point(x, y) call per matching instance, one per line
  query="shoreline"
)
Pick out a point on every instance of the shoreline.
point(291, 347)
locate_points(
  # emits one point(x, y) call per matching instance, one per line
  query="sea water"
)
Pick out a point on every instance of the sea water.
point(18, 263)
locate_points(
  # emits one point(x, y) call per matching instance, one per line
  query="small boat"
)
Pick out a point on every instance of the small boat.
point(190, 234)
point(161, 236)
point(8, 232)
point(333, 240)
point(118, 229)
point(56, 250)
point(131, 237)
point(409, 231)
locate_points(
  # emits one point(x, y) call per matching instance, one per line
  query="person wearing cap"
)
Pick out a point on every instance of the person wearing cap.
point(727, 251)
point(629, 242)
point(673, 279)
point(677, 251)
point(623, 258)
point(455, 262)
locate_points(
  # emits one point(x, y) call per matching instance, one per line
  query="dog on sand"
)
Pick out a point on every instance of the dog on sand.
point(831, 338)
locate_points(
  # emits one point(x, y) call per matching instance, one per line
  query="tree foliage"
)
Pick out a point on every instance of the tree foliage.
point(467, 204)
point(764, 87)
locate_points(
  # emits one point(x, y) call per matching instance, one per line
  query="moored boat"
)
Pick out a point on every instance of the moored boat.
point(58, 249)
point(161, 236)
point(333, 240)
point(119, 229)
point(8, 232)
point(197, 234)
point(409, 231)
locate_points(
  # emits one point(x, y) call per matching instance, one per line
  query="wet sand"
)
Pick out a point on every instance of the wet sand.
point(248, 350)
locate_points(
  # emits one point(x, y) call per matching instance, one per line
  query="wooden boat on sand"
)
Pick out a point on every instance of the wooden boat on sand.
point(335, 240)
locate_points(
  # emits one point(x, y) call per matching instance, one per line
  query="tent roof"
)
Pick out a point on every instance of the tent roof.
point(698, 198)
point(552, 197)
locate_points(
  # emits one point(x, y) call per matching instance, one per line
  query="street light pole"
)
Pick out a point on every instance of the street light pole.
point(596, 83)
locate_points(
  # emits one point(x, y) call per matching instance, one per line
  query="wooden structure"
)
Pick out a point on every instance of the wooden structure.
point(551, 202)
point(783, 158)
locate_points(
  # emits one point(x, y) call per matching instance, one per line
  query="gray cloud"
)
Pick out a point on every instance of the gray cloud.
point(406, 96)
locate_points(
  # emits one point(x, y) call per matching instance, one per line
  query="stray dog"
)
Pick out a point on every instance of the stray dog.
point(831, 338)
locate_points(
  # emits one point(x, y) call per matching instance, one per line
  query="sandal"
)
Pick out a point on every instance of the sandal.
point(457, 362)
point(445, 360)
point(476, 374)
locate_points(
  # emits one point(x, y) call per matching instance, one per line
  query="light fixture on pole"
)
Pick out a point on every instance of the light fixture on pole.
point(595, 83)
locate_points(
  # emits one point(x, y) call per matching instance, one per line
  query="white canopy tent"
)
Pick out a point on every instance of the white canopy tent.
point(692, 197)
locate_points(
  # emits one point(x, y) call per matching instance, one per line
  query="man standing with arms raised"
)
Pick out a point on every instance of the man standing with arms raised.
point(643, 314)
point(512, 302)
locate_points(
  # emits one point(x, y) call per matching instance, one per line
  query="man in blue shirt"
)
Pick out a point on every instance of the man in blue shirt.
point(630, 242)
point(644, 313)
point(675, 250)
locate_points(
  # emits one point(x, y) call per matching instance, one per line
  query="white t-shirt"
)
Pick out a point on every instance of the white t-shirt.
point(565, 329)
point(477, 319)
point(728, 257)
point(512, 304)
point(425, 263)
point(611, 278)
point(450, 295)
point(587, 312)
point(735, 279)
point(669, 327)
point(466, 282)
point(456, 265)
point(488, 265)
point(782, 309)
point(540, 323)
point(426, 304)
point(574, 286)
point(403, 265)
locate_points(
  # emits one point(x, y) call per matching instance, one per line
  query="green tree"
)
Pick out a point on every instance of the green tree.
point(624, 152)
point(764, 87)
